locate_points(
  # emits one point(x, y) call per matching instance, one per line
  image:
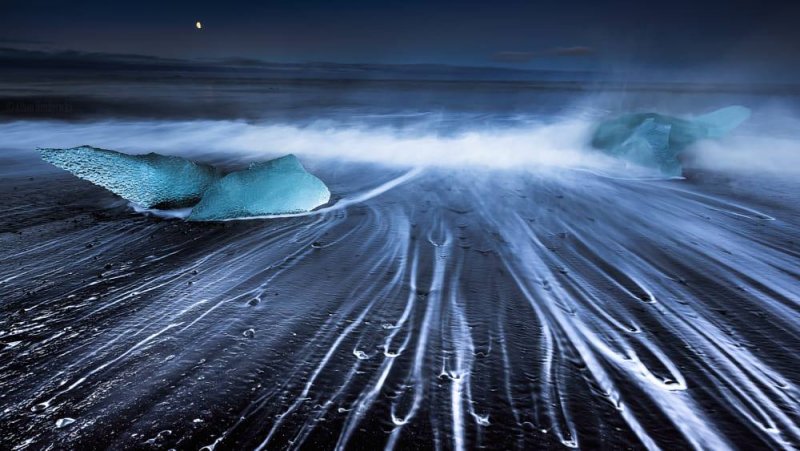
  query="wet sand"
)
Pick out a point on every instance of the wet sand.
point(460, 309)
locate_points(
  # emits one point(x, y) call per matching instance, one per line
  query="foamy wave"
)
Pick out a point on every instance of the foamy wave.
point(559, 144)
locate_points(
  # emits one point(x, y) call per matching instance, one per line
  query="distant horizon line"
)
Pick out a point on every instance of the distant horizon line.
point(16, 58)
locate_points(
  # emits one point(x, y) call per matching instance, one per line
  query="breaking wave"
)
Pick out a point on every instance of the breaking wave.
point(531, 143)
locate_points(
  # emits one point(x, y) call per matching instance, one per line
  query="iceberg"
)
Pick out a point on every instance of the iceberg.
point(655, 141)
point(279, 186)
point(150, 180)
point(274, 187)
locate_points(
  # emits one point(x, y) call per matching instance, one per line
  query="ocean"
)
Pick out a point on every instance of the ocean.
point(482, 277)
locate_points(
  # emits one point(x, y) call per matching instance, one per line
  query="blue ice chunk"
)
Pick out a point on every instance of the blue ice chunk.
point(719, 123)
point(273, 187)
point(157, 181)
point(150, 180)
point(655, 141)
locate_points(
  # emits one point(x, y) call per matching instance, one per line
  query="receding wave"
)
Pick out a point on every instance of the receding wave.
point(559, 143)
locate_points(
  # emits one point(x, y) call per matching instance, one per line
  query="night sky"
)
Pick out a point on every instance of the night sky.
point(757, 36)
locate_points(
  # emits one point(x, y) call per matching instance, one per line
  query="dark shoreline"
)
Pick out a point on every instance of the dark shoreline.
point(161, 333)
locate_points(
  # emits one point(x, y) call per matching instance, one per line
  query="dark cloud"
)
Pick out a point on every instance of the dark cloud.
point(5, 41)
point(528, 56)
point(514, 57)
point(571, 51)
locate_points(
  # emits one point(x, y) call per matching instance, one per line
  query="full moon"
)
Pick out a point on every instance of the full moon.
point(198, 25)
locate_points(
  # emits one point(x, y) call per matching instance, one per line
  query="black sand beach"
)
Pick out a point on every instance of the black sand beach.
point(480, 279)
point(459, 309)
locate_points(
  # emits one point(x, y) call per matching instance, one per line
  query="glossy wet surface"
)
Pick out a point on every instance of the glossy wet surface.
point(459, 309)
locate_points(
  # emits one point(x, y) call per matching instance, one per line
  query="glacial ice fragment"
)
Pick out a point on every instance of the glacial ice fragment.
point(273, 187)
point(150, 180)
point(655, 141)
